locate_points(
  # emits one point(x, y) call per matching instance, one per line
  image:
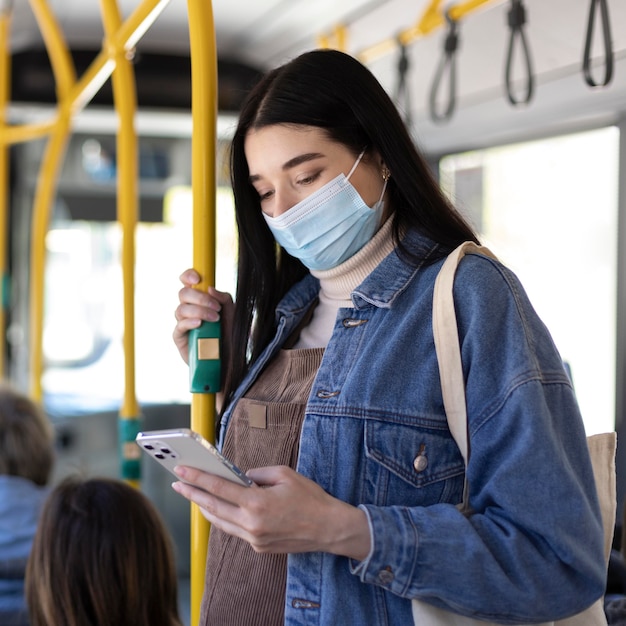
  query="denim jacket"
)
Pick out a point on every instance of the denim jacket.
point(375, 435)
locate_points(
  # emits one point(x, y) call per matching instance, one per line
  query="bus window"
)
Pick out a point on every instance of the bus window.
point(83, 315)
point(548, 209)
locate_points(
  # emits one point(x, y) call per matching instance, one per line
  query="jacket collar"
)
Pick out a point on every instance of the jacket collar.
point(388, 280)
point(393, 275)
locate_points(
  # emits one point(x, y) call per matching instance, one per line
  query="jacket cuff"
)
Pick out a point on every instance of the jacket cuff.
point(392, 560)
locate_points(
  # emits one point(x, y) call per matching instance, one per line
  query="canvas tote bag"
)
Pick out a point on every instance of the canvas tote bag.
point(601, 447)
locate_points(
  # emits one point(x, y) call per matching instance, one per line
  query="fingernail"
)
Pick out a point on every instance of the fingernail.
point(179, 470)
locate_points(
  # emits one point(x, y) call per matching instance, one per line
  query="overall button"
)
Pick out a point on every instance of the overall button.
point(299, 603)
point(324, 394)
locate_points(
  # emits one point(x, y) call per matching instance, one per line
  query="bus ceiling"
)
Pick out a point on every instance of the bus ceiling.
point(522, 68)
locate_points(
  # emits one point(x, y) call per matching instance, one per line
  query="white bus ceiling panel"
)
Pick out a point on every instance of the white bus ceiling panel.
point(267, 32)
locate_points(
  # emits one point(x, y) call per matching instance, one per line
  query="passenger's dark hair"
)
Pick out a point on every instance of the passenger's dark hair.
point(101, 557)
point(333, 91)
point(26, 437)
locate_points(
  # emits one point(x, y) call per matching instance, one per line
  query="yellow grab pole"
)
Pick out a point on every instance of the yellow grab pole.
point(72, 97)
point(5, 81)
point(338, 39)
point(80, 93)
point(431, 19)
point(469, 6)
point(64, 74)
point(204, 143)
point(60, 58)
point(125, 37)
point(124, 96)
point(26, 132)
point(138, 22)
point(45, 192)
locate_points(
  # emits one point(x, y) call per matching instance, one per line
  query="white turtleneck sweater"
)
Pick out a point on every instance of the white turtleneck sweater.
point(337, 283)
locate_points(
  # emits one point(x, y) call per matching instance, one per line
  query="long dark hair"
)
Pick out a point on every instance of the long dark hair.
point(333, 91)
point(101, 557)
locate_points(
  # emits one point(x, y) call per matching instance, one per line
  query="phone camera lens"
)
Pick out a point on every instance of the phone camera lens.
point(166, 451)
point(147, 446)
point(159, 456)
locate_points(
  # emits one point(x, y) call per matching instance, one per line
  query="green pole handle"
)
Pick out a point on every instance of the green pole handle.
point(5, 286)
point(129, 452)
point(204, 358)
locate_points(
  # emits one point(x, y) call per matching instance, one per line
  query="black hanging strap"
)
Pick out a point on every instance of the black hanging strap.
point(516, 20)
point(447, 62)
point(608, 46)
point(402, 88)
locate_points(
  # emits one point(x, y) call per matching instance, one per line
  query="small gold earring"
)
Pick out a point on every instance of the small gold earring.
point(386, 174)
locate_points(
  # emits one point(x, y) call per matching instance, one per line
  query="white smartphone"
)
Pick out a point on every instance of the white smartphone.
point(182, 446)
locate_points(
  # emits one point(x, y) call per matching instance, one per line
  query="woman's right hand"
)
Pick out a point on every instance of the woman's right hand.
point(197, 306)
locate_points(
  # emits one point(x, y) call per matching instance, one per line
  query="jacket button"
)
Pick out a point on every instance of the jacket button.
point(420, 462)
point(351, 323)
point(385, 576)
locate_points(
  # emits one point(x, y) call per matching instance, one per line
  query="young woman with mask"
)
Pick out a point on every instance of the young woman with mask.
point(332, 401)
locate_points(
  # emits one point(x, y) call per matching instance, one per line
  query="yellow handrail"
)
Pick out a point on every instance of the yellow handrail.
point(431, 19)
point(5, 82)
point(73, 96)
point(339, 36)
point(64, 74)
point(125, 101)
point(124, 38)
point(203, 179)
point(80, 92)
point(45, 191)
point(25, 132)
point(60, 58)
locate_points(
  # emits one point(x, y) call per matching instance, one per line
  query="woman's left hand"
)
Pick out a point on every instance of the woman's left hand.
point(283, 512)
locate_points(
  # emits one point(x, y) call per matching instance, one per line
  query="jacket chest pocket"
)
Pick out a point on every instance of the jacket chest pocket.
point(411, 465)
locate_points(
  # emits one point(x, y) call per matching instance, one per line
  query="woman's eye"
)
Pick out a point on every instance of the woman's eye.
point(307, 180)
point(265, 195)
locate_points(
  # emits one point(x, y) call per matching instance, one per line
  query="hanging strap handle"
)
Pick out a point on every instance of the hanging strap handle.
point(516, 21)
point(448, 349)
point(447, 61)
point(402, 89)
point(608, 45)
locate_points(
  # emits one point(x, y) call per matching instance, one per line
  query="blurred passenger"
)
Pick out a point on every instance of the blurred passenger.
point(101, 557)
point(26, 460)
point(615, 598)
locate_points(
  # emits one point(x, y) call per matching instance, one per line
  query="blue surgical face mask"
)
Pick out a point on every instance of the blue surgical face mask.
point(329, 226)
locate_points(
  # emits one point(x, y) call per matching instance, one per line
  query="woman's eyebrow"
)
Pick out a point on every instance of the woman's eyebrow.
point(301, 158)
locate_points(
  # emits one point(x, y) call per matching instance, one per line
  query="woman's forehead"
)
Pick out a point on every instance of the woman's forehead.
point(287, 134)
point(274, 146)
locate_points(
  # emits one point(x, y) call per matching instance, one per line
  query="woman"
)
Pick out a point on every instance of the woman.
point(332, 400)
point(101, 557)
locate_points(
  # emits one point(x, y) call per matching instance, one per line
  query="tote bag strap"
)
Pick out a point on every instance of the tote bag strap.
point(601, 447)
point(447, 346)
